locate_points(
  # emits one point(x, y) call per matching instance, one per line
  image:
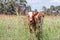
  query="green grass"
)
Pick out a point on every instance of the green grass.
point(16, 28)
point(51, 28)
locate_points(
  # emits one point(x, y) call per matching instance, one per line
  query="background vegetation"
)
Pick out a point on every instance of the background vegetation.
point(16, 28)
point(9, 7)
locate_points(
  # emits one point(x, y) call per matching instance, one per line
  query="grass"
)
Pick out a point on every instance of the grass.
point(16, 28)
point(51, 27)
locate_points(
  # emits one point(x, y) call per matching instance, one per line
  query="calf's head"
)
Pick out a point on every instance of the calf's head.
point(30, 17)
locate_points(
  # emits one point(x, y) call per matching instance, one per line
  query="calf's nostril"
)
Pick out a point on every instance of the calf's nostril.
point(31, 21)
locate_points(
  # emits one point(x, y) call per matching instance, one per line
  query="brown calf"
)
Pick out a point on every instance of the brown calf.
point(34, 20)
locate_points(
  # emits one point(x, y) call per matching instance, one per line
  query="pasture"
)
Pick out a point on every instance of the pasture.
point(16, 28)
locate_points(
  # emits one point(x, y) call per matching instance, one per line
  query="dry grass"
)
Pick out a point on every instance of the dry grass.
point(16, 28)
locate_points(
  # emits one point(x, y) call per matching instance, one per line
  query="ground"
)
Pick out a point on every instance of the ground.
point(16, 28)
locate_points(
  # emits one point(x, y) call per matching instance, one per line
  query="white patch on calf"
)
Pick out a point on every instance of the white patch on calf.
point(30, 14)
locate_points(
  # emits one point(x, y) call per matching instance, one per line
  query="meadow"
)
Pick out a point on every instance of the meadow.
point(16, 28)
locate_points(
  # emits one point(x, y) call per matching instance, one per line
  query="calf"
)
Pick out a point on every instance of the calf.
point(34, 20)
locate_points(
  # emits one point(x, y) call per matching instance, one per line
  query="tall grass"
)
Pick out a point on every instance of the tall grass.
point(16, 28)
point(51, 28)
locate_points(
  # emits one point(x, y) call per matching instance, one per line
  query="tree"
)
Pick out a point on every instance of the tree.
point(58, 7)
point(22, 1)
point(35, 10)
point(11, 5)
point(23, 6)
point(2, 8)
point(44, 9)
point(52, 8)
point(28, 8)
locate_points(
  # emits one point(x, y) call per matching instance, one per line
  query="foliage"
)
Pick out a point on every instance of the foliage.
point(53, 10)
point(10, 5)
point(28, 8)
point(44, 8)
point(58, 7)
point(35, 10)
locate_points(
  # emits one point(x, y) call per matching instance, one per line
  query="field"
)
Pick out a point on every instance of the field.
point(16, 28)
